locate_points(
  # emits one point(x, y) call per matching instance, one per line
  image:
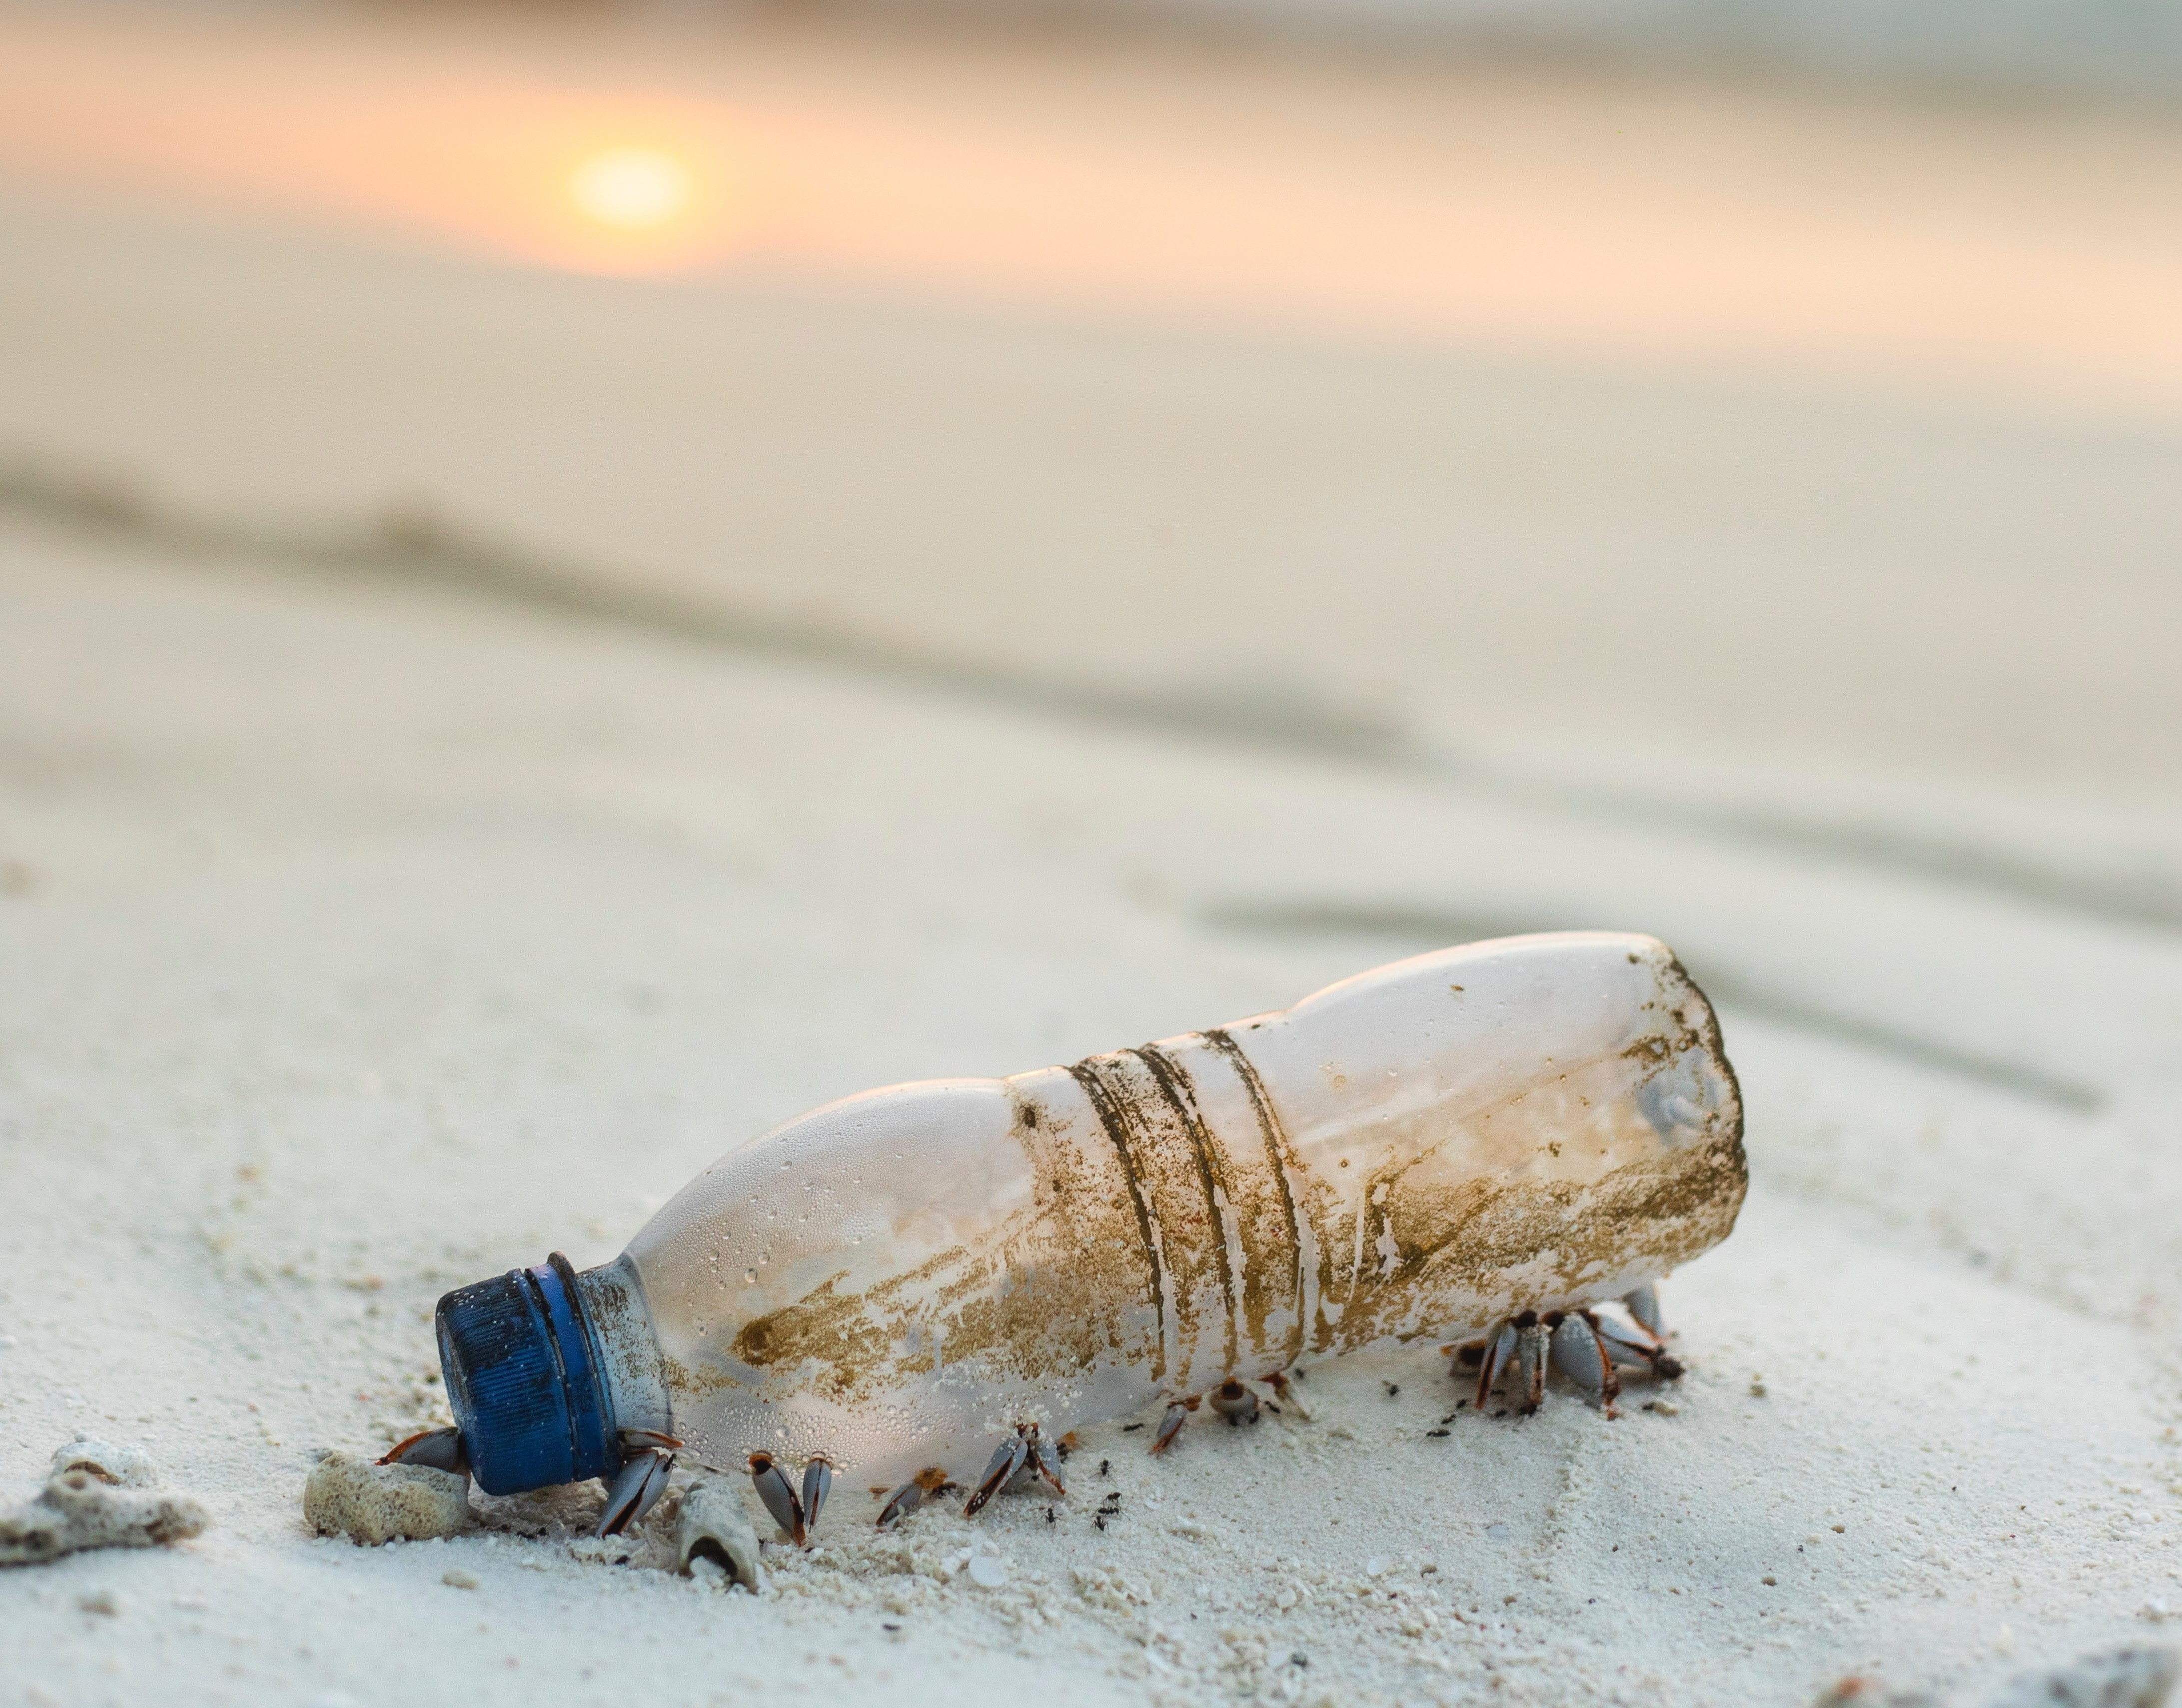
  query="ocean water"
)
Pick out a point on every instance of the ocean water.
point(2120, 47)
point(2126, 48)
point(2132, 45)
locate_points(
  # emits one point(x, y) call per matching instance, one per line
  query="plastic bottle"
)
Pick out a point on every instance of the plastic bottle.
point(895, 1280)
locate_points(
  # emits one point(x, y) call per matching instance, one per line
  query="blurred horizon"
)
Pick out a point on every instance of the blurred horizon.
point(2003, 253)
point(1807, 455)
point(2099, 49)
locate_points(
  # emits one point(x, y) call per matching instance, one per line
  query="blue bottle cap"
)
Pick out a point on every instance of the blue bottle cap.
point(524, 1377)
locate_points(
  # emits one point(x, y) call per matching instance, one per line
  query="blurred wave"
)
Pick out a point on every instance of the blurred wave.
point(2127, 47)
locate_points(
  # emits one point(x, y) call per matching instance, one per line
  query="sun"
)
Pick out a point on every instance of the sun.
point(632, 189)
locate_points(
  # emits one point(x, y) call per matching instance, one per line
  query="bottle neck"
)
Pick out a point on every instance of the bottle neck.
point(625, 1346)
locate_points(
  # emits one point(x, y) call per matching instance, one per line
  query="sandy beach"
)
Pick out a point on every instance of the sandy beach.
point(480, 735)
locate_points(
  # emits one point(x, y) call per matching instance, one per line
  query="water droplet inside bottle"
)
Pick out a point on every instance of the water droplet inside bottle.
point(749, 1278)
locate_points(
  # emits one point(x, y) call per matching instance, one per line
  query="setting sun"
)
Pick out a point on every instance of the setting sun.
point(631, 189)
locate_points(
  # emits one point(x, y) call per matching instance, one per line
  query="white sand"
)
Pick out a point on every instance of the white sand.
point(362, 944)
point(359, 939)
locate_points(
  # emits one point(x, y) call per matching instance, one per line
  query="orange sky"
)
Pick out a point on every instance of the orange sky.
point(2027, 254)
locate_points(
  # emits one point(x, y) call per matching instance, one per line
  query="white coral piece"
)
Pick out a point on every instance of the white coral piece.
point(97, 1497)
point(370, 1503)
point(713, 1525)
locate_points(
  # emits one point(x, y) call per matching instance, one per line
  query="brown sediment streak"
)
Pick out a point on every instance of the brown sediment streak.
point(1186, 1220)
point(1706, 1029)
point(1543, 1190)
point(1279, 1159)
point(1175, 1085)
point(1462, 1242)
point(1108, 1109)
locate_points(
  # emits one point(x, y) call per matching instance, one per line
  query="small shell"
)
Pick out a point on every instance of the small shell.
point(1234, 1401)
point(1576, 1353)
point(927, 1484)
point(713, 1525)
point(1009, 1459)
point(900, 1504)
point(818, 1483)
point(1580, 1353)
point(632, 1493)
point(779, 1494)
point(1499, 1355)
point(1044, 1461)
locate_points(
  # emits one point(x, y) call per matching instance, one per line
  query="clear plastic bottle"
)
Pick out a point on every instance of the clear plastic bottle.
point(895, 1280)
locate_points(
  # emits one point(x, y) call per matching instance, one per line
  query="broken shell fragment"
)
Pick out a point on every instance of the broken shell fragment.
point(124, 1467)
point(372, 1504)
point(713, 1526)
point(97, 1497)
